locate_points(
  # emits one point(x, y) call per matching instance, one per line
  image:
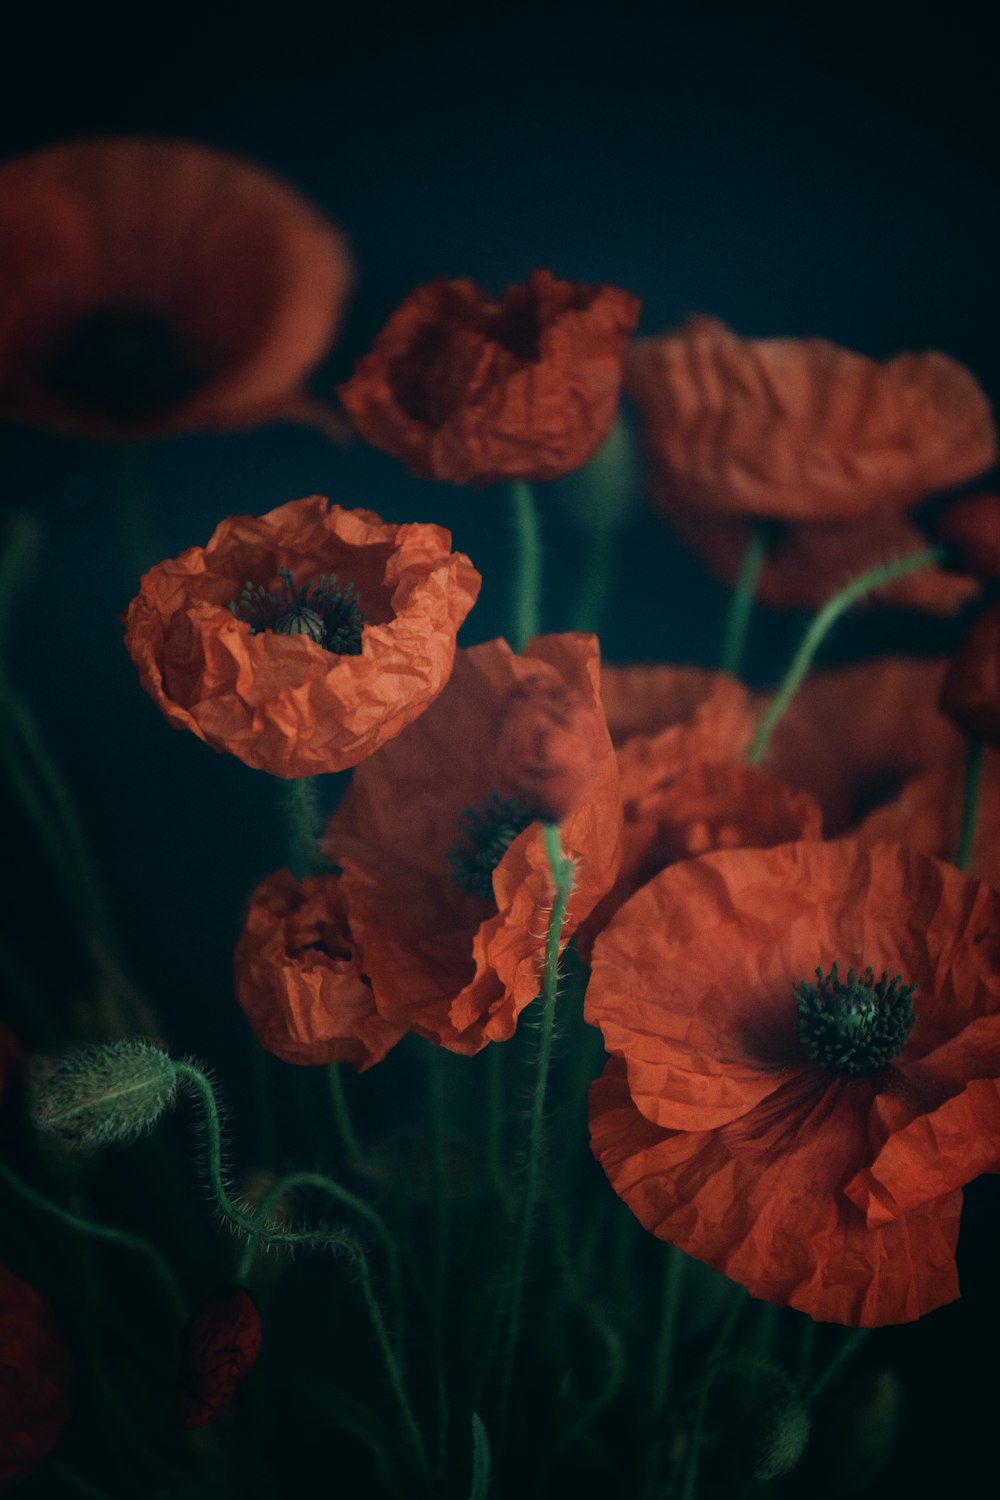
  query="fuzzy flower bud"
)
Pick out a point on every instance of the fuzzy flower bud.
point(551, 742)
point(102, 1096)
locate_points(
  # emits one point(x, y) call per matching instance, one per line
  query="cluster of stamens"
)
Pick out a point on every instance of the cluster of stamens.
point(486, 832)
point(323, 611)
point(854, 1025)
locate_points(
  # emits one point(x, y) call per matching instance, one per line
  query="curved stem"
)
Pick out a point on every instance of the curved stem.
point(528, 566)
point(562, 876)
point(874, 578)
point(970, 803)
point(256, 1226)
point(719, 1347)
point(849, 1347)
point(741, 604)
point(663, 1353)
point(121, 1237)
point(322, 1184)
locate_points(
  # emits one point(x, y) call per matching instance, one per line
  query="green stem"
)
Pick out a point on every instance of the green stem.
point(528, 567)
point(598, 572)
point(439, 1175)
point(307, 855)
point(121, 1237)
point(562, 876)
point(494, 1111)
point(970, 802)
point(726, 1329)
point(741, 604)
point(322, 1184)
point(663, 1354)
point(874, 578)
point(850, 1346)
point(256, 1226)
point(341, 1113)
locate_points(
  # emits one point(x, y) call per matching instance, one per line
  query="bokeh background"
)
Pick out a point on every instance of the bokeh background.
point(820, 172)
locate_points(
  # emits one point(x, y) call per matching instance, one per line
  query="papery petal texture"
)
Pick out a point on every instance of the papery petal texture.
point(801, 430)
point(284, 703)
point(459, 967)
point(473, 389)
point(300, 979)
point(835, 1193)
point(36, 1379)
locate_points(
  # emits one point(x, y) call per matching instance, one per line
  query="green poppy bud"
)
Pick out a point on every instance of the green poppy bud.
point(106, 1095)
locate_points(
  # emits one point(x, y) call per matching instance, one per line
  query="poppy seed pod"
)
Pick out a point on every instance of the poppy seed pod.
point(551, 742)
point(105, 1096)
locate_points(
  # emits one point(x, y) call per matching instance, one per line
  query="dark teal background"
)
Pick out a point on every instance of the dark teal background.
point(791, 175)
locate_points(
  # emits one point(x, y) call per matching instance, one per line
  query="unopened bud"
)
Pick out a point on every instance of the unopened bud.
point(222, 1343)
point(772, 1423)
point(104, 1096)
point(551, 743)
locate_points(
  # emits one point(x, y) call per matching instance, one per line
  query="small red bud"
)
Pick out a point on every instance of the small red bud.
point(221, 1346)
point(551, 743)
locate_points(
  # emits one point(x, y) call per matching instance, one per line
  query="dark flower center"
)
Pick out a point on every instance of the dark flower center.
point(123, 362)
point(326, 613)
point(854, 1025)
point(486, 832)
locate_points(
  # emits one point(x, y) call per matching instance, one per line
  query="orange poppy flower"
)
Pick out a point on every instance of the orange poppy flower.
point(446, 873)
point(467, 388)
point(681, 734)
point(303, 639)
point(855, 736)
point(970, 693)
point(299, 976)
point(805, 564)
point(36, 1380)
point(152, 286)
point(926, 814)
point(806, 1069)
point(222, 1343)
point(800, 430)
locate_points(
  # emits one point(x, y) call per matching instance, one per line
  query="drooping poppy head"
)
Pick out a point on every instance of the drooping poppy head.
point(805, 564)
point(970, 693)
point(303, 639)
point(222, 1343)
point(801, 430)
point(469, 388)
point(805, 1069)
point(151, 286)
point(300, 979)
point(36, 1379)
point(446, 872)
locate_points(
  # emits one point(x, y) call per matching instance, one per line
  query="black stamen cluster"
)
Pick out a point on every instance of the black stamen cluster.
point(326, 613)
point(486, 832)
point(854, 1025)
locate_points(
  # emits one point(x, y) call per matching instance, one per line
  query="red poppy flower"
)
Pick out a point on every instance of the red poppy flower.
point(970, 693)
point(36, 1380)
point(301, 640)
point(299, 976)
point(464, 387)
point(855, 736)
point(805, 564)
point(684, 713)
point(806, 1046)
point(446, 874)
point(926, 814)
point(222, 1343)
point(681, 735)
point(152, 286)
point(970, 529)
point(800, 430)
